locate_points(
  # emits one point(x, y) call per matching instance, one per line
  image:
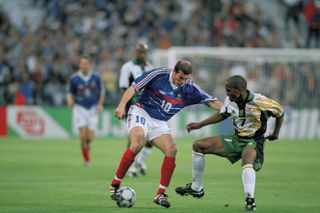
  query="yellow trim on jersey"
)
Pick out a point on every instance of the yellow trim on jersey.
point(245, 133)
point(270, 105)
point(254, 126)
point(255, 108)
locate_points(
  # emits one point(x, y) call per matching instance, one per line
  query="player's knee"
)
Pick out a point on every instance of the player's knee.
point(136, 144)
point(248, 156)
point(247, 160)
point(197, 146)
point(83, 140)
point(171, 151)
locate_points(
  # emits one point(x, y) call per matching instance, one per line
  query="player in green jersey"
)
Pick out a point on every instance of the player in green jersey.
point(249, 112)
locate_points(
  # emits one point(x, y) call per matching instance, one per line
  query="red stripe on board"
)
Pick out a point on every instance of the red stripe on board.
point(3, 122)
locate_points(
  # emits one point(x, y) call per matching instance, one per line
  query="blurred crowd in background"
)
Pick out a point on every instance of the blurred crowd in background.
point(292, 83)
point(38, 55)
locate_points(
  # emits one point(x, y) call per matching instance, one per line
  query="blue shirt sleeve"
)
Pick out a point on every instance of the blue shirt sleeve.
point(199, 96)
point(146, 78)
point(71, 87)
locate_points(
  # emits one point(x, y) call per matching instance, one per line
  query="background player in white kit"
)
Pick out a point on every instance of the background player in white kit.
point(85, 95)
point(129, 72)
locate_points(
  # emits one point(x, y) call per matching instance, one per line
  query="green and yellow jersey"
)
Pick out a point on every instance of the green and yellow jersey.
point(250, 118)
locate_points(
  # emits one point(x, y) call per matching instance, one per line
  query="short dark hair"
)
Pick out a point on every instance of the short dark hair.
point(184, 66)
point(85, 57)
point(237, 82)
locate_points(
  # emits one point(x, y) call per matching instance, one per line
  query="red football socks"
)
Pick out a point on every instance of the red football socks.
point(167, 169)
point(126, 161)
point(85, 154)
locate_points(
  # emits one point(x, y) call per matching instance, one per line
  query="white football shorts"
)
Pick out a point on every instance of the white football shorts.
point(83, 117)
point(153, 128)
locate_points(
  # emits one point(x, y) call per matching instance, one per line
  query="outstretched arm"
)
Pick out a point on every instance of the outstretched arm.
point(211, 120)
point(120, 110)
point(215, 105)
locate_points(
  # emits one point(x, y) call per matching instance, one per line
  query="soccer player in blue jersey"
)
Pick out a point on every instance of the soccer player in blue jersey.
point(164, 92)
point(85, 95)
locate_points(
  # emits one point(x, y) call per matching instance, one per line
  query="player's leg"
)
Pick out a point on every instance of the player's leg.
point(80, 120)
point(137, 140)
point(132, 171)
point(166, 144)
point(84, 146)
point(210, 145)
point(137, 127)
point(92, 120)
point(89, 135)
point(141, 158)
point(139, 163)
point(249, 156)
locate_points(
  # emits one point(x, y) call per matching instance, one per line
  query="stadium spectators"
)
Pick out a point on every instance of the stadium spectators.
point(106, 31)
point(312, 14)
point(294, 8)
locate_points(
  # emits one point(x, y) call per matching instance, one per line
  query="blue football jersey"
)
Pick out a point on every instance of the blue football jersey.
point(161, 100)
point(86, 90)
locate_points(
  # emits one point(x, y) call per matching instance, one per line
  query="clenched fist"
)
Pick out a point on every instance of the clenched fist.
point(192, 126)
point(120, 112)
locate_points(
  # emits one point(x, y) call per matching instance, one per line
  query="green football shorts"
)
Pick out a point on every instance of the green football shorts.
point(234, 146)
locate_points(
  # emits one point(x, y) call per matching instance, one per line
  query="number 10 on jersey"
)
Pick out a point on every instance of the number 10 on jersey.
point(166, 106)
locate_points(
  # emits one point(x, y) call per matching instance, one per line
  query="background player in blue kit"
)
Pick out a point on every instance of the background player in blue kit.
point(164, 92)
point(85, 96)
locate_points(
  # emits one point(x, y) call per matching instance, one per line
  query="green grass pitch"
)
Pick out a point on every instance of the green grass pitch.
point(48, 176)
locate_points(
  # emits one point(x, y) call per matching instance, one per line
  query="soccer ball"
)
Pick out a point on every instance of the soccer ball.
point(127, 197)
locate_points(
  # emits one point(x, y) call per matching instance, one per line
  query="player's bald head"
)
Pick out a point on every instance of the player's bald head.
point(141, 53)
point(237, 82)
point(142, 47)
point(184, 66)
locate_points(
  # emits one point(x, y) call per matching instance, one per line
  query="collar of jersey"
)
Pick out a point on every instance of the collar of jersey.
point(250, 96)
point(85, 78)
point(171, 81)
point(141, 64)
